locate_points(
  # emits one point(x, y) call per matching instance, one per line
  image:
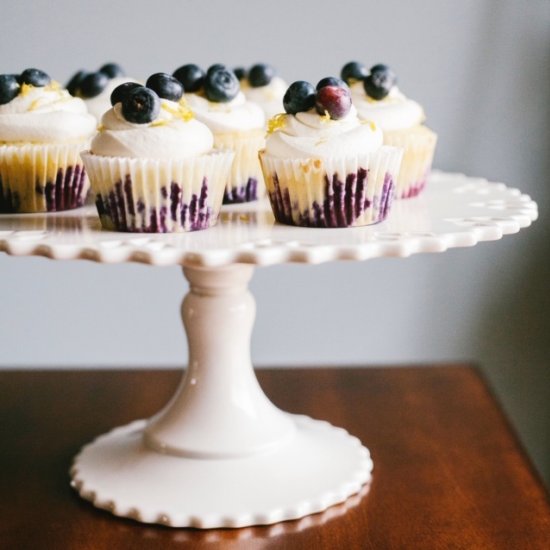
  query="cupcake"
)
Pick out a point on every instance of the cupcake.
point(152, 166)
point(323, 167)
point(42, 131)
point(378, 99)
point(262, 86)
point(95, 88)
point(237, 124)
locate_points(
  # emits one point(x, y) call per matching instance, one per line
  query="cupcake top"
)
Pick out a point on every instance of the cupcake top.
point(261, 85)
point(377, 97)
point(216, 99)
point(151, 121)
point(35, 109)
point(95, 88)
point(320, 123)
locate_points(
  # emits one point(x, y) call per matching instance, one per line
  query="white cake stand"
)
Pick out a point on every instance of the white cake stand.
point(220, 454)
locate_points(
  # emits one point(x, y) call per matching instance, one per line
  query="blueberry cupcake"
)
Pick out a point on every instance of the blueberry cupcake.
point(323, 167)
point(237, 124)
point(261, 85)
point(42, 131)
point(377, 98)
point(95, 88)
point(152, 165)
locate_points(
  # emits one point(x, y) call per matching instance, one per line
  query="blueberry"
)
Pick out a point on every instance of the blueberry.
point(191, 76)
point(112, 70)
point(121, 91)
point(379, 82)
point(215, 67)
point(73, 86)
point(353, 71)
point(331, 81)
point(92, 85)
point(35, 77)
point(141, 105)
point(221, 85)
point(336, 100)
point(240, 72)
point(165, 86)
point(299, 97)
point(9, 88)
point(260, 75)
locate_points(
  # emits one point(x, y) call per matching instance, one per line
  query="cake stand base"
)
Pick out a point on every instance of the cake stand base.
point(220, 454)
point(319, 466)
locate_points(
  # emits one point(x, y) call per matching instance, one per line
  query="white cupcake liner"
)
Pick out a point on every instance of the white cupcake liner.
point(158, 196)
point(333, 192)
point(418, 150)
point(42, 177)
point(246, 181)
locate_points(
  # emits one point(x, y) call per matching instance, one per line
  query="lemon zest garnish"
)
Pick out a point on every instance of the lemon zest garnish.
point(160, 122)
point(26, 89)
point(181, 111)
point(35, 104)
point(53, 86)
point(100, 127)
point(325, 117)
point(370, 123)
point(276, 122)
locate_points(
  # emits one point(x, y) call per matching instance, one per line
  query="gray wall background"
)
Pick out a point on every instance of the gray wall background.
point(481, 68)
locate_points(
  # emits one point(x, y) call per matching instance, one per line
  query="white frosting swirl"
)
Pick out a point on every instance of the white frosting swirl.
point(235, 115)
point(45, 114)
point(174, 134)
point(101, 103)
point(394, 112)
point(310, 135)
point(269, 97)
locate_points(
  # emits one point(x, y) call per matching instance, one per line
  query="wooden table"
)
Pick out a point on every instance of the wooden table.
point(448, 473)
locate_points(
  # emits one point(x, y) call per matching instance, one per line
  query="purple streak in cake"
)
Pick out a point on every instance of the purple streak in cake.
point(344, 202)
point(244, 193)
point(64, 193)
point(119, 209)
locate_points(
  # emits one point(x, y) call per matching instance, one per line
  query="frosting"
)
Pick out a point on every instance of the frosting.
point(174, 134)
point(394, 112)
point(45, 114)
point(269, 97)
point(310, 135)
point(102, 103)
point(235, 115)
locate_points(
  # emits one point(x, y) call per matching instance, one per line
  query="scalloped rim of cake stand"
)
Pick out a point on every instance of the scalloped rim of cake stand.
point(467, 211)
point(339, 472)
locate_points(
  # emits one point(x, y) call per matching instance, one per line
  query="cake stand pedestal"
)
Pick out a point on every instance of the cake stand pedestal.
point(220, 454)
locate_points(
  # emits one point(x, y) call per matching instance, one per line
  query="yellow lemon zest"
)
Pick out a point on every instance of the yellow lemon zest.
point(276, 122)
point(100, 127)
point(26, 89)
point(181, 111)
point(325, 117)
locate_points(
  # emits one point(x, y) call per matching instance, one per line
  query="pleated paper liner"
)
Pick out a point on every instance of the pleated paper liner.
point(333, 192)
point(158, 196)
point(418, 145)
point(246, 181)
point(42, 177)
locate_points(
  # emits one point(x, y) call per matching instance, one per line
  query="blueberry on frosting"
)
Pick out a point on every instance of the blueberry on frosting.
point(353, 72)
point(260, 74)
point(334, 101)
point(9, 88)
point(215, 67)
point(191, 77)
point(141, 105)
point(92, 85)
point(74, 83)
point(299, 97)
point(112, 70)
point(165, 86)
point(379, 82)
point(240, 73)
point(221, 85)
point(34, 77)
point(121, 91)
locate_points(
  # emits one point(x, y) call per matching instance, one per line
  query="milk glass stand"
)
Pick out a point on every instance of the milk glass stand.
point(220, 454)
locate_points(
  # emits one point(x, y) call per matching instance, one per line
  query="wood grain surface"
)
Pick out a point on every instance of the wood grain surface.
point(449, 473)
